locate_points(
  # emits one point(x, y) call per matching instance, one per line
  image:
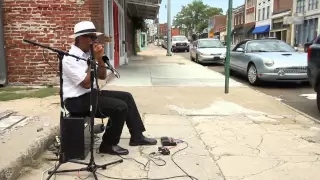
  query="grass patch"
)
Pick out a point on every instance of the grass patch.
point(12, 93)
point(9, 89)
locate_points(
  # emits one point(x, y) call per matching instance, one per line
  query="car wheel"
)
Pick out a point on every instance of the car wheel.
point(252, 75)
point(187, 50)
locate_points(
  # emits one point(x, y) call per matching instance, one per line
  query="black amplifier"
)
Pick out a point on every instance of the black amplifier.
point(75, 138)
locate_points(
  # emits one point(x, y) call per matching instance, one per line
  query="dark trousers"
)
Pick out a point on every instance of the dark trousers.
point(119, 106)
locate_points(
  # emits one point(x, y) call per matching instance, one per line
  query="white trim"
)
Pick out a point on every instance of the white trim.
point(281, 15)
point(108, 28)
point(119, 6)
point(111, 29)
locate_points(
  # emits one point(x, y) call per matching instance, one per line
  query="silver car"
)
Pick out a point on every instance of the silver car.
point(268, 60)
point(207, 50)
point(179, 43)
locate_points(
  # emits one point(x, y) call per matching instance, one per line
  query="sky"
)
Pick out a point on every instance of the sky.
point(176, 6)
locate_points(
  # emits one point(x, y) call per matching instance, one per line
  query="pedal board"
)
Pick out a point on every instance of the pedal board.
point(168, 141)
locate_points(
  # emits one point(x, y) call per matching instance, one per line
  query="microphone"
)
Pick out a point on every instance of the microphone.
point(105, 59)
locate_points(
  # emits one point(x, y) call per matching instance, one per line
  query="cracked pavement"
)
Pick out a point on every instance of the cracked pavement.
point(244, 149)
point(225, 147)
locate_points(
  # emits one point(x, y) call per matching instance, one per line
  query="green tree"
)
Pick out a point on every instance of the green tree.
point(195, 16)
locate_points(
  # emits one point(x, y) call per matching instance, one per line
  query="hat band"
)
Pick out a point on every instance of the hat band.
point(87, 31)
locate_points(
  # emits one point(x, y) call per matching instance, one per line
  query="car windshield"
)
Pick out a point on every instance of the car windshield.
point(210, 44)
point(181, 38)
point(269, 46)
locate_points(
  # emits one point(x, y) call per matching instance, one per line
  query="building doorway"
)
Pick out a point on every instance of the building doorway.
point(278, 35)
point(284, 35)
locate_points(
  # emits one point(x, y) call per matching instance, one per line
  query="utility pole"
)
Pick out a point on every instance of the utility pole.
point(227, 62)
point(169, 46)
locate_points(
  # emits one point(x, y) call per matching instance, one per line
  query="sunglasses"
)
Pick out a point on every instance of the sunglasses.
point(91, 36)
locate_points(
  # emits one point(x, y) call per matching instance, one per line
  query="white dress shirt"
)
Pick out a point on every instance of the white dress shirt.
point(74, 72)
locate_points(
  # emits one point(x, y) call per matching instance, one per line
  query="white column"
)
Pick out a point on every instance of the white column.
point(111, 32)
point(106, 23)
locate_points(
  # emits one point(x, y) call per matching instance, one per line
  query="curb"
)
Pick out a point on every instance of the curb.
point(300, 112)
point(290, 107)
point(27, 158)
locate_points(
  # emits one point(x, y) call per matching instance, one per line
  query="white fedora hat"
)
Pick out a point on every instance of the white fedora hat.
point(84, 27)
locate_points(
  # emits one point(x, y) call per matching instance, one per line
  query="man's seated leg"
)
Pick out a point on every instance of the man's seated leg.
point(133, 118)
point(117, 110)
point(107, 107)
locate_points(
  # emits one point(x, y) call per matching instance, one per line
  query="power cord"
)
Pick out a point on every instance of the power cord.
point(151, 158)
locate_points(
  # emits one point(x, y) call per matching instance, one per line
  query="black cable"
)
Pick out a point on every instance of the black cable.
point(46, 59)
point(191, 177)
point(172, 177)
point(151, 160)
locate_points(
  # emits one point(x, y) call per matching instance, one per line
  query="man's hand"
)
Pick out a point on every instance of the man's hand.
point(98, 52)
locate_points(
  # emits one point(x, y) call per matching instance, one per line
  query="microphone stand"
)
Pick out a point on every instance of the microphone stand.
point(91, 166)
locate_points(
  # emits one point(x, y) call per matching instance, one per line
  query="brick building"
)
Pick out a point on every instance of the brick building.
point(238, 24)
point(219, 21)
point(223, 33)
point(280, 30)
point(250, 18)
point(264, 9)
point(51, 22)
point(163, 29)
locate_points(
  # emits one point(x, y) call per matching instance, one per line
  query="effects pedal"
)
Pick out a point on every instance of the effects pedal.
point(163, 150)
point(167, 141)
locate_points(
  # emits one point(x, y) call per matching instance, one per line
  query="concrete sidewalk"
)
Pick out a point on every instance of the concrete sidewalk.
point(241, 135)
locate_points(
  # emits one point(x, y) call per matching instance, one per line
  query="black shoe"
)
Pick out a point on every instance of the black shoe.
point(142, 141)
point(113, 150)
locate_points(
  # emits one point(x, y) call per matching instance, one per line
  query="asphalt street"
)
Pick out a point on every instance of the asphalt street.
point(299, 96)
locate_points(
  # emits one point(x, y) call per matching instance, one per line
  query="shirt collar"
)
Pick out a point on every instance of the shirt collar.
point(77, 51)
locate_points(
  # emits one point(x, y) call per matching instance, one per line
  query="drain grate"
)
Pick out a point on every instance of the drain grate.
point(181, 63)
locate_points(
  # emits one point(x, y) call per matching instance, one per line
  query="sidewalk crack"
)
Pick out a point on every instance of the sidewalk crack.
point(207, 149)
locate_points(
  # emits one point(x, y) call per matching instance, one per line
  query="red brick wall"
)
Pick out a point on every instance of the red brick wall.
point(219, 21)
point(282, 5)
point(48, 22)
point(161, 28)
point(175, 32)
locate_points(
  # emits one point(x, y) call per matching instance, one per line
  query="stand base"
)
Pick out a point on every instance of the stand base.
point(91, 167)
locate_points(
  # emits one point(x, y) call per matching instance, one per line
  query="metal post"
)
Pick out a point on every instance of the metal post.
point(227, 62)
point(158, 29)
point(3, 61)
point(169, 47)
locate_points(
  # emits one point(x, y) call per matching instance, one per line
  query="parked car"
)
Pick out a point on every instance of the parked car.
point(314, 67)
point(207, 50)
point(268, 60)
point(179, 43)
